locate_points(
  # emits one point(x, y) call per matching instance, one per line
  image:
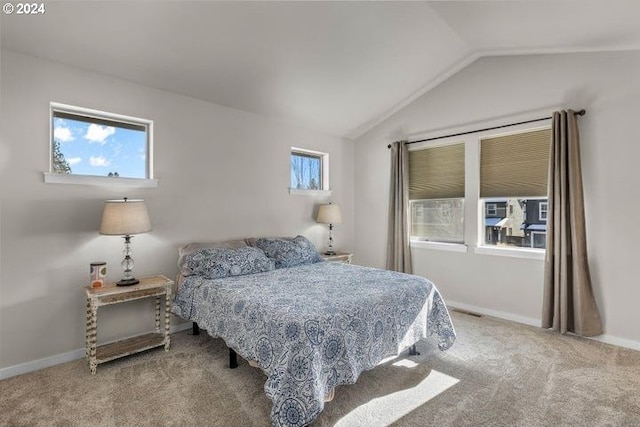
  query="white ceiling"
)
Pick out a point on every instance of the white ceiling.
point(337, 67)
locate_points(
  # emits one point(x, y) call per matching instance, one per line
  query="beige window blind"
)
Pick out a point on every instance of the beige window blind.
point(515, 165)
point(437, 172)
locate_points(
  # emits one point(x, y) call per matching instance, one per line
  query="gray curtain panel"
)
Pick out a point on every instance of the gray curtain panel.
point(569, 304)
point(398, 249)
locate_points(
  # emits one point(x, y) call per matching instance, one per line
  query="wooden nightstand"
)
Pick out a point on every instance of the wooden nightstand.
point(155, 286)
point(344, 257)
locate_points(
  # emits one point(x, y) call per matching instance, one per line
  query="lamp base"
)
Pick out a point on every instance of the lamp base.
point(128, 282)
point(329, 252)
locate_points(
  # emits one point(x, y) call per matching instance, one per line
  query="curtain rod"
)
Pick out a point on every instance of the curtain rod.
point(579, 113)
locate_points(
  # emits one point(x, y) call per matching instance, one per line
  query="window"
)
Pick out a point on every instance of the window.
point(542, 211)
point(438, 220)
point(309, 170)
point(513, 173)
point(98, 144)
point(538, 239)
point(436, 193)
point(445, 211)
point(505, 201)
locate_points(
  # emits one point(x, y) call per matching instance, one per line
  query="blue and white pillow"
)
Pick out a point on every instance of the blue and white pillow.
point(215, 263)
point(289, 252)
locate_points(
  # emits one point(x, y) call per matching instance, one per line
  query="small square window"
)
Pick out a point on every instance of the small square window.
point(309, 170)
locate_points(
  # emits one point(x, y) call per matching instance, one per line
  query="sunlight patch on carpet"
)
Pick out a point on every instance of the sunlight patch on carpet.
point(387, 409)
point(406, 363)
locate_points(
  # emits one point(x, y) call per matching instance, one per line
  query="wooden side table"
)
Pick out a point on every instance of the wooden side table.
point(156, 286)
point(344, 257)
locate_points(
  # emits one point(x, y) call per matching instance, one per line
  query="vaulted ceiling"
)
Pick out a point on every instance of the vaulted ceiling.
point(337, 67)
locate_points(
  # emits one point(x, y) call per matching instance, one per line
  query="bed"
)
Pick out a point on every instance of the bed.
point(309, 325)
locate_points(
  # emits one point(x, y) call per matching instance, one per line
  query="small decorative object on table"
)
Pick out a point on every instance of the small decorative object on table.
point(98, 272)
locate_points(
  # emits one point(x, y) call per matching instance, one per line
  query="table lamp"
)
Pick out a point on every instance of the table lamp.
point(329, 214)
point(124, 218)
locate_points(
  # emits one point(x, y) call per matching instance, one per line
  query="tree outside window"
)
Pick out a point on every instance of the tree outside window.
point(308, 170)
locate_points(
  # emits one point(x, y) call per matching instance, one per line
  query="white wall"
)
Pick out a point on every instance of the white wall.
point(501, 89)
point(222, 174)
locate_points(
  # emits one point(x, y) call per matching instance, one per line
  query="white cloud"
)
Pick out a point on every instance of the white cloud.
point(62, 134)
point(97, 133)
point(98, 161)
point(74, 160)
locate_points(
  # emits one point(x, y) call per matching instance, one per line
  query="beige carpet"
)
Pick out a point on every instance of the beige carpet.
point(497, 373)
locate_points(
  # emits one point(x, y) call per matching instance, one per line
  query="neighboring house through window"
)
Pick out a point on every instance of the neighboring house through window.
point(513, 172)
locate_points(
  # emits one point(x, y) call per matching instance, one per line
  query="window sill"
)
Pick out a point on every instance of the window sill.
point(103, 181)
point(296, 192)
point(440, 246)
point(511, 252)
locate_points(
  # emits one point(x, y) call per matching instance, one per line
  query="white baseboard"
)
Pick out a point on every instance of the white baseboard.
point(499, 314)
point(607, 339)
point(46, 362)
point(35, 365)
point(620, 342)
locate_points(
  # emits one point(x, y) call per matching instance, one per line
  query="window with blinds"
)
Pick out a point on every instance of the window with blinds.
point(436, 193)
point(514, 170)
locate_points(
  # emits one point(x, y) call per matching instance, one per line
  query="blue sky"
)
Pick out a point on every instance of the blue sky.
point(93, 149)
point(303, 170)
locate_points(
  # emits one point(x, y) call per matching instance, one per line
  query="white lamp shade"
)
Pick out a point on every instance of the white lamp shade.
point(329, 214)
point(122, 217)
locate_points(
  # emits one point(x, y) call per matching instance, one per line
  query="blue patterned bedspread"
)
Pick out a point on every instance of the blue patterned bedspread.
point(315, 326)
